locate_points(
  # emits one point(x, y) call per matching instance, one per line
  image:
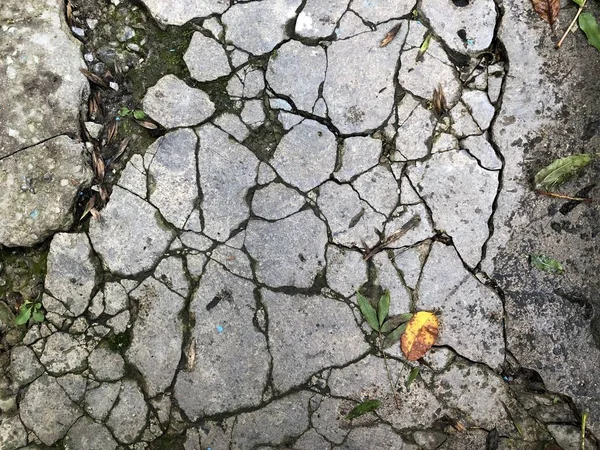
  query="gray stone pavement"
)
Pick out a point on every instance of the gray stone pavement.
point(212, 304)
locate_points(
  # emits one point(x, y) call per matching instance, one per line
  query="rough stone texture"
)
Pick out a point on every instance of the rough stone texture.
point(171, 273)
point(480, 148)
point(225, 339)
point(379, 189)
point(230, 123)
point(258, 27)
point(249, 82)
point(318, 19)
point(276, 201)
point(359, 87)
point(47, 411)
point(115, 298)
point(471, 313)
point(129, 237)
point(381, 436)
point(106, 365)
point(414, 131)
point(289, 252)
point(89, 435)
point(381, 10)
point(306, 335)
point(156, 355)
point(128, 417)
point(99, 401)
point(180, 12)
point(24, 365)
point(172, 103)
point(306, 155)
point(460, 194)
point(346, 270)
point(64, 353)
point(71, 273)
point(227, 170)
point(478, 104)
point(42, 88)
point(448, 21)
point(297, 72)
point(206, 59)
point(389, 279)
point(39, 185)
point(12, 433)
point(359, 154)
point(350, 25)
point(253, 113)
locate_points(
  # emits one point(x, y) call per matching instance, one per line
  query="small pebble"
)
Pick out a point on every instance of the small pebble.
point(114, 86)
point(78, 31)
point(88, 57)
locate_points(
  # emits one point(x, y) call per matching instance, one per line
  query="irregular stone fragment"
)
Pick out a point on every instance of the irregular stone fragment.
point(258, 27)
point(134, 177)
point(381, 10)
point(346, 270)
point(172, 103)
point(128, 417)
point(106, 365)
point(171, 273)
point(24, 365)
point(227, 170)
point(495, 79)
point(74, 385)
point(214, 26)
point(230, 123)
point(429, 439)
point(172, 172)
point(12, 433)
point(180, 12)
point(471, 312)
point(234, 260)
point(129, 238)
point(156, 355)
point(463, 123)
point(359, 85)
point(39, 185)
point(408, 195)
point(381, 436)
point(455, 25)
point(120, 322)
point(328, 419)
point(318, 19)
point(389, 279)
point(248, 82)
point(288, 120)
point(480, 107)
point(444, 142)
point(568, 436)
point(276, 201)
point(302, 64)
point(359, 154)
point(71, 272)
point(253, 113)
point(410, 262)
point(89, 435)
point(63, 353)
point(350, 219)
point(274, 424)
point(460, 195)
point(206, 59)
point(289, 252)
point(482, 150)
point(225, 341)
point(100, 400)
point(379, 189)
point(42, 89)
point(417, 233)
point(115, 298)
point(306, 155)
point(47, 411)
point(311, 440)
point(414, 135)
point(308, 334)
point(350, 25)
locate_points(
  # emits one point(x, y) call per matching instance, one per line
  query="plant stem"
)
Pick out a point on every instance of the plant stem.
point(571, 25)
point(563, 196)
point(583, 421)
point(387, 371)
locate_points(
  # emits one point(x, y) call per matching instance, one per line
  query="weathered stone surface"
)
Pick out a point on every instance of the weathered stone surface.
point(42, 87)
point(381, 436)
point(568, 437)
point(318, 19)
point(306, 155)
point(171, 273)
point(12, 433)
point(156, 355)
point(227, 170)
point(443, 142)
point(180, 12)
point(234, 260)
point(206, 59)
point(64, 353)
point(359, 154)
point(297, 72)
point(129, 237)
point(172, 103)
point(480, 148)
point(410, 262)
point(415, 132)
point(253, 113)
point(134, 177)
point(100, 400)
point(172, 171)
point(128, 417)
point(47, 411)
point(225, 340)
point(230, 123)
point(388, 278)
point(39, 185)
point(379, 189)
point(71, 273)
point(106, 365)
point(311, 440)
point(460, 194)
point(381, 10)
point(89, 435)
point(463, 123)
point(248, 82)
point(289, 252)
point(306, 335)
point(115, 298)
point(350, 25)
point(359, 86)
point(276, 201)
point(74, 385)
point(478, 104)
point(350, 219)
point(429, 440)
point(24, 365)
point(258, 27)
point(471, 312)
point(449, 20)
point(346, 270)
point(120, 322)
point(274, 424)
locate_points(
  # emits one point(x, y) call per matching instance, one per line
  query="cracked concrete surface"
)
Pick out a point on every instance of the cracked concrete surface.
point(213, 303)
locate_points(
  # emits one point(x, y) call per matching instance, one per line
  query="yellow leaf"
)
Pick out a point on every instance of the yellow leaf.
point(421, 333)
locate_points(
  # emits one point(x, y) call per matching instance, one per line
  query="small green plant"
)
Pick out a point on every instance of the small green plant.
point(30, 309)
point(363, 408)
point(137, 114)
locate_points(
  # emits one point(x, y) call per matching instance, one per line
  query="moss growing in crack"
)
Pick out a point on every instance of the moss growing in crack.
point(168, 442)
point(119, 342)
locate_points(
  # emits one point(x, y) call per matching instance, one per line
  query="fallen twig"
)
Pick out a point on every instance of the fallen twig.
point(413, 222)
point(563, 196)
point(571, 24)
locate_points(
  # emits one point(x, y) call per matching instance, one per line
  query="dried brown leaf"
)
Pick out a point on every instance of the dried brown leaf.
point(547, 9)
point(94, 78)
point(103, 193)
point(147, 124)
point(93, 107)
point(440, 106)
point(88, 207)
point(69, 9)
point(390, 36)
point(95, 213)
point(98, 165)
point(122, 148)
point(111, 132)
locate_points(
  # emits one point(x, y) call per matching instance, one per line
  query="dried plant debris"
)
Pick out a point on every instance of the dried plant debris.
point(389, 37)
point(547, 9)
point(440, 106)
point(420, 335)
point(560, 171)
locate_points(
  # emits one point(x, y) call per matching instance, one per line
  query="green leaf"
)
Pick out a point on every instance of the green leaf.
point(588, 24)
point(414, 373)
point(580, 2)
point(124, 111)
point(394, 322)
point(561, 170)
point(38, 306)
point(394, 336)
point(23, 316)
point(384, 307)
point(367, 311)
point(139, 114)
point(38, 316)
point(424, 46)
point(546, 263)
point(365, 407)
